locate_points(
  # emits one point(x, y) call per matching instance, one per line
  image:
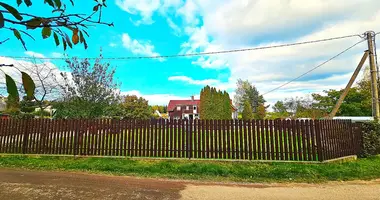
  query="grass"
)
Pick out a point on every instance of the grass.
point(362, 169)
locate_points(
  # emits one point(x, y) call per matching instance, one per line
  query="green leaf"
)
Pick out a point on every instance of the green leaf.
point(85, 44)
point(81, 37)
point(29, 85)
point(58, 3)
point(56, 39)
point(11, 87)
point(69, 42)
point(46, 32)
point(33, 23)
point(28, 2)
point(64, 44)
point(12, 10)
point(19, 2)
point(17, 34)
point(1, 20)
point(50, 2)
point(96, 8)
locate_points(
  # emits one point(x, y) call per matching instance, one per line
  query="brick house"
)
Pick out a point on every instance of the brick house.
point(189, 109)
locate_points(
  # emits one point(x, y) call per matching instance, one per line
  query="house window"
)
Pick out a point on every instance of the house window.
point(196, 115)
point(195, 107)
point(187, 108)
point(178, 108)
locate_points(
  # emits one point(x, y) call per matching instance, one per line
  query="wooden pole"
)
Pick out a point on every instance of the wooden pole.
point(375, 92)
point(349, 84)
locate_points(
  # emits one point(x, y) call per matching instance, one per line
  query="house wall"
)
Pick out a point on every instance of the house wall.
point(3, 105)
point(180, 113)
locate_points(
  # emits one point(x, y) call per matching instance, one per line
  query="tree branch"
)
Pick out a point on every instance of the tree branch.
point(1, 42)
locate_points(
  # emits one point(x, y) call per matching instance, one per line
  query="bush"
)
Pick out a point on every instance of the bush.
point(370, 139)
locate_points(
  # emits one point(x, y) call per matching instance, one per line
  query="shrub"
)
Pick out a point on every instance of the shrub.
point(370, 139)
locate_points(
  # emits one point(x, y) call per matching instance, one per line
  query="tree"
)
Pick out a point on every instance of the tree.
point(136, 108)
point(12, 20)
point(161, 109)
point(247, 111)
point(90, 91)
point(205, 104)
point(214, 104)
point(56, 25)
point(227, 107)
point(280, 110)
point(261, 112)
point(245, 91)
point(358, 101)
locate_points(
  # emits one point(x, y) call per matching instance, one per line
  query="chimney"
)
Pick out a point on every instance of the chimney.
point(192, 98)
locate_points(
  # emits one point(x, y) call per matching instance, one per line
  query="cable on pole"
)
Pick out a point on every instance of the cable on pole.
point(316, 67)
point(198, 54)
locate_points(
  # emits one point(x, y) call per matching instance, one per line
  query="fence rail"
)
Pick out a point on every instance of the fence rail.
point(296, 140)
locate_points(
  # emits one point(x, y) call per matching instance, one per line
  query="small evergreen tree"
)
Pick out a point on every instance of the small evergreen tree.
point(227, 106)
point(261, 112)
point(247, 111)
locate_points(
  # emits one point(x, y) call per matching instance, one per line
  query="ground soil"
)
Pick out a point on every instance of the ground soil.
point(24, 184)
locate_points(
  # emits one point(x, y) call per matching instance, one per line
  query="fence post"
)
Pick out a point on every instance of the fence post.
point(189, 138)
point(26, 136)
point(76, 137)
point(318, 132)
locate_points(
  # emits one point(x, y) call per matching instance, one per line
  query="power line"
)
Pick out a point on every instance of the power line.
point(199, 54)
point(316, 67)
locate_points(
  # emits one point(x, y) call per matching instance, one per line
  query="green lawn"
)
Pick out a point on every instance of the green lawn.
point(363, 169)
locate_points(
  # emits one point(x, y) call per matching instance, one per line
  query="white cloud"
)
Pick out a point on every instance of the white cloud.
point(146, 8)
point(231, 24)
point(188, 11)
point(156, 99)
point(34, 54)
point(112, 44)
point(192, 81)
point(172, 25)
point(144, 48)
point(57, 55)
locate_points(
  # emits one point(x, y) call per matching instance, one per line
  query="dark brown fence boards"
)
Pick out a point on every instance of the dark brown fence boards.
point(220, 139)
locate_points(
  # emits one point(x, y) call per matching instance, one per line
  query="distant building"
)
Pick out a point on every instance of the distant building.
point(48, 109)
point(3, 104)
point(356, 119)
point(189, 109)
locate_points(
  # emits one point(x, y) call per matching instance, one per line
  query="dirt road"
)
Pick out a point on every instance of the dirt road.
point(17, 184)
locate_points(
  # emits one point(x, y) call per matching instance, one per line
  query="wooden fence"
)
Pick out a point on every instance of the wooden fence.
point(295, 140)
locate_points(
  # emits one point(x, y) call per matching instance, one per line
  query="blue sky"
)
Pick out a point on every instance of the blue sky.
point(167, 27)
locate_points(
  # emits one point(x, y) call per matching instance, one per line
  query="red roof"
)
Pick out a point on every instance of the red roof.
point(174, 103)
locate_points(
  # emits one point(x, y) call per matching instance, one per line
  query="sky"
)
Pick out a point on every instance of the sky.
point(170, 27)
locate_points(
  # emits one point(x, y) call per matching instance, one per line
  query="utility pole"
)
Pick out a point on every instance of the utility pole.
point(375, 92)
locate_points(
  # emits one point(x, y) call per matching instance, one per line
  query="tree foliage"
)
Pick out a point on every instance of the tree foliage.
point(245, 91)
point(134, 107)
point(90, 90)
point(261, 112)
point(66, 29)
point(214, 104)
point(161, 109)
point(247, 111)
point(358, 101)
